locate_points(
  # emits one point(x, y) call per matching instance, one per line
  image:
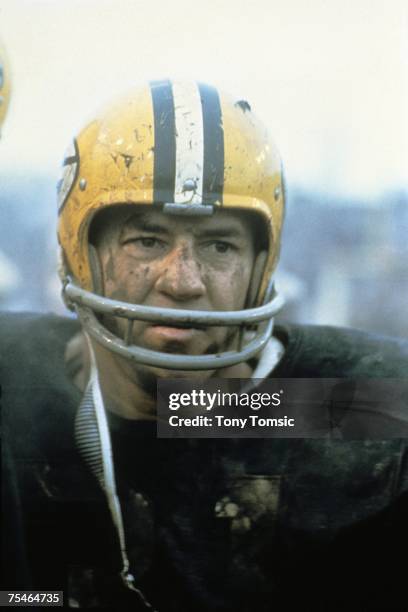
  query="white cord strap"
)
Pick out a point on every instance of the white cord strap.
point(94, 443)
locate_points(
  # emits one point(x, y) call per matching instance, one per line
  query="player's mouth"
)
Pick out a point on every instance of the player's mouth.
point(180, 332)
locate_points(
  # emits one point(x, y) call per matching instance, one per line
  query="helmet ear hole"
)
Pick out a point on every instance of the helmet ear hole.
point(257, 274)
point(96, 270)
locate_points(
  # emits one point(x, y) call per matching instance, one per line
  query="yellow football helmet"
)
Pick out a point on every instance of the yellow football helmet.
point(4, 85)
point(189, 149)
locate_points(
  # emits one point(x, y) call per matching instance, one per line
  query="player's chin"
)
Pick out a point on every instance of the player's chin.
point(193, 344)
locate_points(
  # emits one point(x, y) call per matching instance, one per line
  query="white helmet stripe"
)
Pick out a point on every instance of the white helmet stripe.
point(189, 142)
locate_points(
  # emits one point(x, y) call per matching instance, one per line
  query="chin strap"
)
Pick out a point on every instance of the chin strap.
point(94, 443)
point(267, 362)
point(269, 358)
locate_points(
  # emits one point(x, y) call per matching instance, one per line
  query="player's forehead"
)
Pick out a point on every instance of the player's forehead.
point(149, 218)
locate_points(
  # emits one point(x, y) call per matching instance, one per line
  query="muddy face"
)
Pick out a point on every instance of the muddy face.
point(154, 259)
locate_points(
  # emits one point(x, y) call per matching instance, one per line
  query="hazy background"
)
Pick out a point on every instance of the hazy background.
point(330, 80)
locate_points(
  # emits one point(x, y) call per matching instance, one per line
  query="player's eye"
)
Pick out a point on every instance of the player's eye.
point(222, 247)
point(148, 242)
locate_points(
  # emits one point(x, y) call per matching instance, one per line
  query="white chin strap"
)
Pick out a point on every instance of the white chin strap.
point(94, 443)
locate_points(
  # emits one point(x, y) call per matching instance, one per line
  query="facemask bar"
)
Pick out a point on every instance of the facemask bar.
point(86, 303)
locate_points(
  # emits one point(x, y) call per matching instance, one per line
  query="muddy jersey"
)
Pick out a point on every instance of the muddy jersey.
point(239, 524)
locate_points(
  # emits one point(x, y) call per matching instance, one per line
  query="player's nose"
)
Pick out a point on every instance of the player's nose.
point(181, 277)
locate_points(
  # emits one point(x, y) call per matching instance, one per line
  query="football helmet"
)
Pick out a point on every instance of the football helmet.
point(4, 85)
point(188, 149)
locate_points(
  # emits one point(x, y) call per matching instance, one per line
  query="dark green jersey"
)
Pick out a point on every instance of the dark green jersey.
point(239, 524)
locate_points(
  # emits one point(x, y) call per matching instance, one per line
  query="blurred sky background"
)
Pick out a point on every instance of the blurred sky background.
point(328, 77)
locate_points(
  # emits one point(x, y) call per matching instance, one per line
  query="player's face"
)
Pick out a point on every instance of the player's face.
point(154, 259)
